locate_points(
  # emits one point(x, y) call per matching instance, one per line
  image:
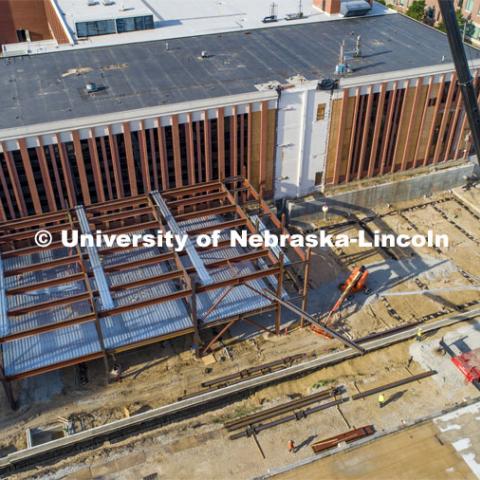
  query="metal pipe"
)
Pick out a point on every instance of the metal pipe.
point(465, 80)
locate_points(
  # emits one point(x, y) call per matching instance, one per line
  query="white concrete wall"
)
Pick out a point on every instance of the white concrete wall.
point(301, 139)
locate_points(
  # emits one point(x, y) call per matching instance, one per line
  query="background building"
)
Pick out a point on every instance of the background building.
point(88, 125)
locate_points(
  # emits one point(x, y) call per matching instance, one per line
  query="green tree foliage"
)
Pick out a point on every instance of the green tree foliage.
point(460, 21)
point(417, 10)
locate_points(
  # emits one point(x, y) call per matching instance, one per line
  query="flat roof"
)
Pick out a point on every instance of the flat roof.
point(42, 88)
point(175, 19)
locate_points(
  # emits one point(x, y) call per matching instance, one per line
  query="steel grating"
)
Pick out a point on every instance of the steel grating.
point(38, 351)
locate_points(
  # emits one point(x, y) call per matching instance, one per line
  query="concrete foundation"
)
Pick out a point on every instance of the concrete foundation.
point(369, 196)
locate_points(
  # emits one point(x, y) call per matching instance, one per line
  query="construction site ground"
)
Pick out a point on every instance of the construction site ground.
point(199, 447)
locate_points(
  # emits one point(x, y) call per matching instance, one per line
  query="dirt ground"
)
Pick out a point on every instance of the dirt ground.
point(159, 374)
point(418, 454)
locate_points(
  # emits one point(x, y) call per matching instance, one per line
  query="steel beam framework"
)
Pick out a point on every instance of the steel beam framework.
point(58, 267)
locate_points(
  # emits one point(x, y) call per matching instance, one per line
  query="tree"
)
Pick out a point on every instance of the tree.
point(417, 10)
point(460, 20)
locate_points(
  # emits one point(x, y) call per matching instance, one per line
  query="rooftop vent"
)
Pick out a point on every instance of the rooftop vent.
point(108, 2)
point(355, 8)
point(91, 3)
point(91, 87)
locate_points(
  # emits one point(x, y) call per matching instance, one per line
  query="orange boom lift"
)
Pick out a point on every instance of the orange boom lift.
point(356, 282)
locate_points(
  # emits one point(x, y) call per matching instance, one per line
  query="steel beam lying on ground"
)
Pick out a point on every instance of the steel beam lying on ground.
point(398, 383)
point(347, 437)
point(95, 263)
point(197, 262)
point(298, 415)
point(280, 409)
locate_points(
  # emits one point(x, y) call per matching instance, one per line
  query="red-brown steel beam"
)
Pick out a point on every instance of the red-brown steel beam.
point(464, 123)
point(271, 216)
point(27, 166)
point(56, 366)
point(376, 130)
point(67, 173)
point(199, 152)
point(6, 192)
point(145, 303)
point(445, 118)
point(47, 328)
point(411, 120)
point(366, 130)
point(396, 146)
point(234, 142)
point(32, 287)
point(207, 212)
point(351, 148)
point(41, 266)
point(118, 203)
point(249, 139)
point(109, 217)
point(221, 142)
point(34, 220)
point(208, 147)
point(153, 158)
point(131, 228)
point(388, 129)
point(162, 150)
point(164, 257)
point(17, 252)
point(204, 187)
point(243, 163)
point(240, 280)
point(422, 122)
point(15, 182)
point(147, 281)
point(132, 176)
point(147, 184)
point(196, 200)
point(82, 173)
point(47, 182)
point(263, 144)
point(453, 125)
point(338, 142)
point(70, 300)
point(56, 175)
point(431, 133)
point(96, 169)
point(190, 150)
point(106, 168)
point(117, 169)
point(177, 154)
point(240, 222)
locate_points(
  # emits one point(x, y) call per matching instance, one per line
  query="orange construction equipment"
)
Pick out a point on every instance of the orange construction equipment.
point(356, 282)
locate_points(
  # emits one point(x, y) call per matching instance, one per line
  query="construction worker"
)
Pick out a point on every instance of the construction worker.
point(381, 400)
point(291, 446)
point(419, 335)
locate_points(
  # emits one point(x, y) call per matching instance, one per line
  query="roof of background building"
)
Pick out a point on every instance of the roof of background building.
point(43, 88)
point(189, 17)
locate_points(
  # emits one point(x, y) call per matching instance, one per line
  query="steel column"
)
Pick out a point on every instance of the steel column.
point(376, 131)
point(338, 144)
point(132, 176)
point(77, 146)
